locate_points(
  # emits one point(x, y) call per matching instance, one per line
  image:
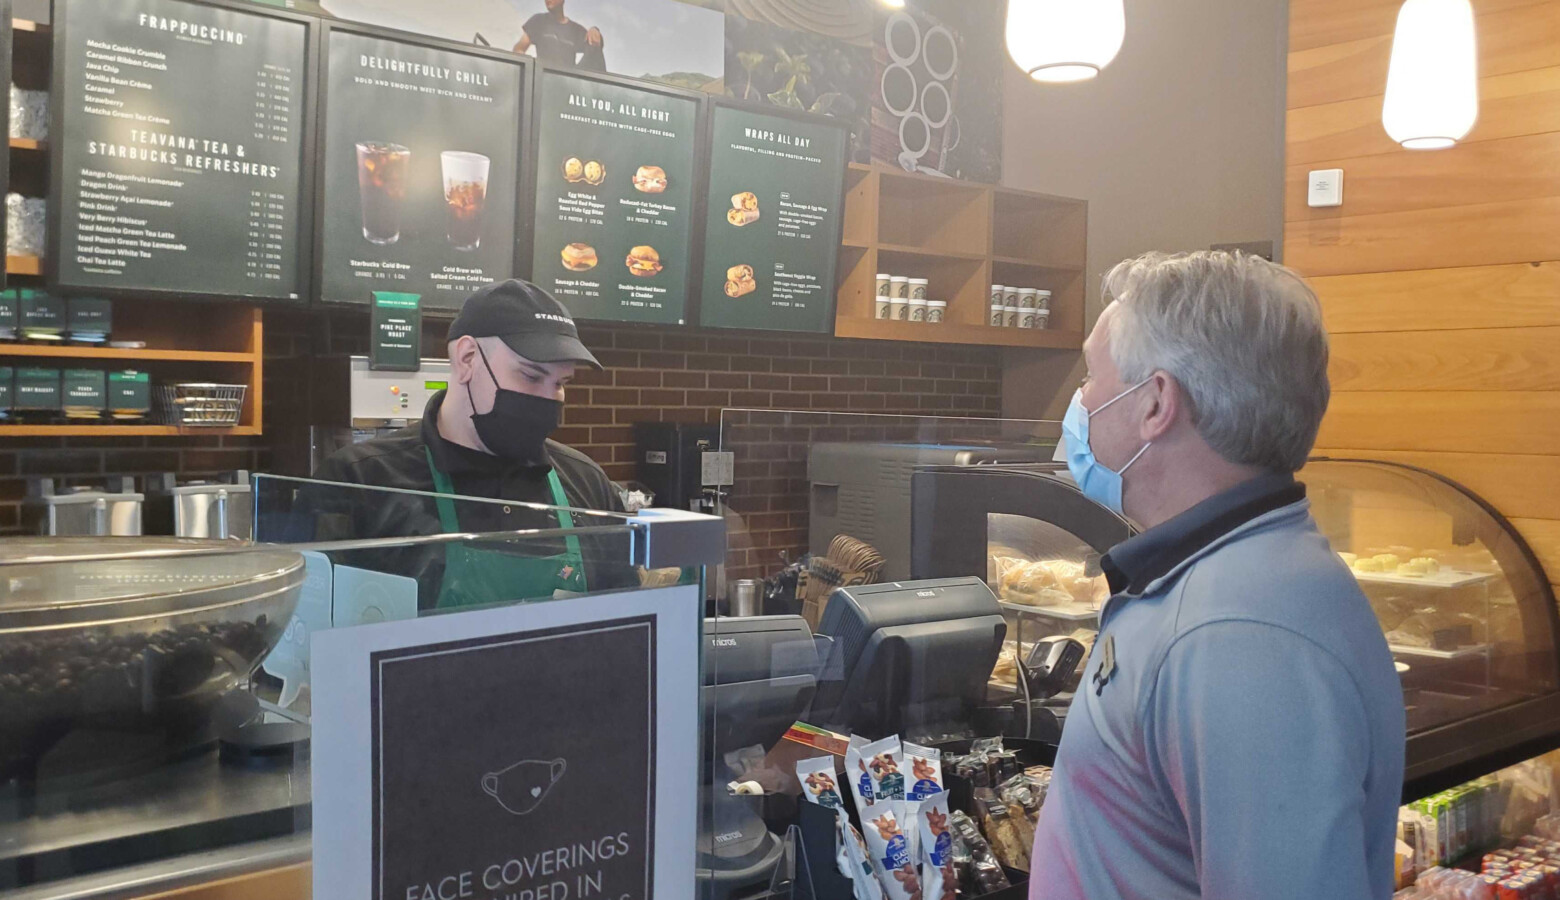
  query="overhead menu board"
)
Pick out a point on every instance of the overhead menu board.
point(772, 220)
point(177, 166)
point(614, 196)
point(419, 171)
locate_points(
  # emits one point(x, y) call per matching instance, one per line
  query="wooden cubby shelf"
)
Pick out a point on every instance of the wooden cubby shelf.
point(121, 431)
point(27, 144)
point(962, 237)
point(24, 265)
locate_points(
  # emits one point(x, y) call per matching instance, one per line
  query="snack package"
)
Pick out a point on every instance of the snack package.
point(885, 761)
point(856, 772)
point(939, 880)
point(984, 872)
point(817, 779)
point(1023, 806)
point(909, 812)
point(862, 874)
point(1002, 830)
point(891, 852)
point(926, 776)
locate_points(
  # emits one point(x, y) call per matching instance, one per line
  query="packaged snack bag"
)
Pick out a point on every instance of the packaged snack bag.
point(891, 852)
point(856, 772)
point(926, 776)
point(862, 874)
point(939, 880)
point(985, 872)
point(885, 761)
point(817, 780)
point(1002, 829)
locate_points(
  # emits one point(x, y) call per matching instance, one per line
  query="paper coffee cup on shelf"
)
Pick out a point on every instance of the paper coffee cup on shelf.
point(1026, 318)
point(1010, 316)
point(1042, 318)
point(1027, 298)
point(1010, 296)
point(882, 306)
point(998, 291)
point(899, 287)
point(899, 309)
point(918, 309)
point(918, 288)
point(998, 316)
point(936, 311)
point(1042, 300)
point(883, 284)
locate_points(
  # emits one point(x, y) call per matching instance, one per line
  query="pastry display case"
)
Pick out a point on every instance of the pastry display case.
point(1467, 610)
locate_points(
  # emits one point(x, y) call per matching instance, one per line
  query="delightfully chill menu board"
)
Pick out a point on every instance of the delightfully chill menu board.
point(179, 158)
point(614, 197)
point(772, 229)
point(419, 170)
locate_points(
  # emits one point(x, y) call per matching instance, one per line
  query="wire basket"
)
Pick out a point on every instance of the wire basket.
point(200, 404)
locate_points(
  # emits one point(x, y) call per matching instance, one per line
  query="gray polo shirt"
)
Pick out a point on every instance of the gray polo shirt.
point(1239, 730)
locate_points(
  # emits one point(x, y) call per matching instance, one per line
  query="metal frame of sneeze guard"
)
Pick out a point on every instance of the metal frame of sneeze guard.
point(658, 538)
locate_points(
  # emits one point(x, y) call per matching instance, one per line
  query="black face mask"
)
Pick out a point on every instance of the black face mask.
point(518, 425)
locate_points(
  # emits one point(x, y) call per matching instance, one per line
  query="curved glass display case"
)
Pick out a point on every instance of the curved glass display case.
point(1467, 610)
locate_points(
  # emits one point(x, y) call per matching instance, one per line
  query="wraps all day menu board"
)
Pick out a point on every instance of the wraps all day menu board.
point(614, 197)
point(419, 170)
point(179, 156)
point(771, 236)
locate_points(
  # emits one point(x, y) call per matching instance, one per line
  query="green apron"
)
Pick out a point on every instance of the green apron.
point(474, 577)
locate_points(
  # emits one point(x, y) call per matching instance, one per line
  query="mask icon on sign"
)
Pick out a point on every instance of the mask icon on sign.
point(520, 788)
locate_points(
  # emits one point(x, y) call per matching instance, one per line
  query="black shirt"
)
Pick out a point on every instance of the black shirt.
point(557, 43)
point(400, 461)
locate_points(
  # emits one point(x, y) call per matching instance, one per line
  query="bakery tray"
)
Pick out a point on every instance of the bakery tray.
point(1446, 578)
point(1431, 653)
point(1052, 612)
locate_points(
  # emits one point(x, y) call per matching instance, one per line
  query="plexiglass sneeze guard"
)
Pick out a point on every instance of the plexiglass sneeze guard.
point(160, 710)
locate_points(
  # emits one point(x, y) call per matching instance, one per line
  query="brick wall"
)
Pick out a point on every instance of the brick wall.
point(652, 374)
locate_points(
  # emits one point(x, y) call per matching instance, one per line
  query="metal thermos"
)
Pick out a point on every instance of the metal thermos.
point(746, 598)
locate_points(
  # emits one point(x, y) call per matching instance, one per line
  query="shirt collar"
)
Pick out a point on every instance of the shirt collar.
point(1136, 562)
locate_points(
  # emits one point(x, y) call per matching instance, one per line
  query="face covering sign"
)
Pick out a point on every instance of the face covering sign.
point(534, 752)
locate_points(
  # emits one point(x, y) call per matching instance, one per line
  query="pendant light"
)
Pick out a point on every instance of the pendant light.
point(1433, 79)
point(1058, 41)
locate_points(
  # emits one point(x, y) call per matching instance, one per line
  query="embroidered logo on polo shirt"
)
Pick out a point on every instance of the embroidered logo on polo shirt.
point(1107, 666)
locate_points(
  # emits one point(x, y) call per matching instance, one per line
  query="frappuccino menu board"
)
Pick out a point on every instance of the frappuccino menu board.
point(180, 162)
point(419, 170)
point(614, 196)
point(771, 235)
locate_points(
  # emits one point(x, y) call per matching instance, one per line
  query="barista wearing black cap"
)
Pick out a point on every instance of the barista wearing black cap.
point(513, 351)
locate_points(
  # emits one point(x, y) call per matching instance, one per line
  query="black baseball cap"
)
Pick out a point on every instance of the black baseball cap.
point(524, 317)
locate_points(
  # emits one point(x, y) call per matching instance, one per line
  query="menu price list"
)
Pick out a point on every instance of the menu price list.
point(615, 171)
point(420, 170)
point(164, 189)
point(770, 239)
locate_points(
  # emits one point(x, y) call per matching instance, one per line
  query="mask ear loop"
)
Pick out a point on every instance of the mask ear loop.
point(491, 377)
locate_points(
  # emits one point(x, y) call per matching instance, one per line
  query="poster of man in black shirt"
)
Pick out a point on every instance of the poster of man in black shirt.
point(561, 41)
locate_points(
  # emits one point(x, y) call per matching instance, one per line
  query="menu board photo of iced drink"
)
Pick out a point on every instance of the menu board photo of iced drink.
point(614, 197)
point(419, 170)
point(178, 163)
point(772, 229)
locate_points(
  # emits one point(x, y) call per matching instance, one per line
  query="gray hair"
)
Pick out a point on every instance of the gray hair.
point(1241, 335)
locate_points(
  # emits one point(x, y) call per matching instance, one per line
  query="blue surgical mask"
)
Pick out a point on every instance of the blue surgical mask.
point(1098, 482)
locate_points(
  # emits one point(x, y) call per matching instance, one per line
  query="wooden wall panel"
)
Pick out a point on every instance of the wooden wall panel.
point(1485, 359)
point(1509, 105)
point(1526, 422)
point(1511, 296)
point(1516, 168)
point(1489, 233)
point(1517, 485)
point(1318, 23)
point(1510, 40)
point(290, 883)
point(1543, 535)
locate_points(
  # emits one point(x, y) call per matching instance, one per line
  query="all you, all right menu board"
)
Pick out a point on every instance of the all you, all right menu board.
point(772, 229)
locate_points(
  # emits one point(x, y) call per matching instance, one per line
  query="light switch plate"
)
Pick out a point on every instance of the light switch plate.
point(1325, 188)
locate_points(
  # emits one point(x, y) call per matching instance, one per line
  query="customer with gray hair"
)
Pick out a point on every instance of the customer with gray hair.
point(1239, 729)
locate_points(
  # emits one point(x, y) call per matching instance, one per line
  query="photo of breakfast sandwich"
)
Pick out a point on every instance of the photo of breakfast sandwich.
point(643, 262)
point(740, 281)
point(595, 173)
point(650, 180)
point(744, 209)
point(579, 257)
point(573, 170)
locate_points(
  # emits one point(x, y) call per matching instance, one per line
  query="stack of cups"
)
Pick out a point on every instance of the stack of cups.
point(899, 298)
point(1042, 309)
point(883, 297)
point(903, 299)
point(918, 299)
point(998, 308)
